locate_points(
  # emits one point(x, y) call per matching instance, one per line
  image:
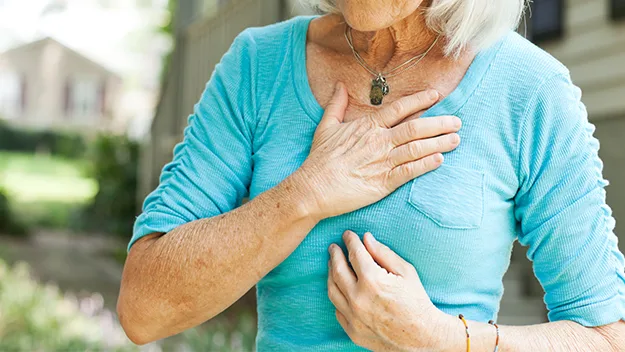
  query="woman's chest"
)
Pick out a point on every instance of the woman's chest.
point(464, 208)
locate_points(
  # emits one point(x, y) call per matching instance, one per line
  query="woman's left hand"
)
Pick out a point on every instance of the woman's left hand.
point(381, 303)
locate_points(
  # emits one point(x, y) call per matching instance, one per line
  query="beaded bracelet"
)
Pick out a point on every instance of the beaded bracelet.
point(496, 341)
point(466, 328)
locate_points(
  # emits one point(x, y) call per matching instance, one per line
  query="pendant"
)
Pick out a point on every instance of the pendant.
point(379, 88)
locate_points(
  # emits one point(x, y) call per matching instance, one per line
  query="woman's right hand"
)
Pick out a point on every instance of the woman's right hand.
point(357, 163)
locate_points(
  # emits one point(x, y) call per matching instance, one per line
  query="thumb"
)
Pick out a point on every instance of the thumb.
point(335, 110)
point(386, 258)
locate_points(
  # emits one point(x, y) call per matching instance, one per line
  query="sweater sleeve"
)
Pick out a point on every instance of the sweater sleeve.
point(211, 168)
point(562, 212)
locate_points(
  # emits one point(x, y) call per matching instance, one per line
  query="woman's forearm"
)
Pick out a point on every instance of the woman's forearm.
point(561, 336)
point(176, 281)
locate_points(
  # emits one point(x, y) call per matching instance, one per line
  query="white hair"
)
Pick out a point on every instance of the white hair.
point(463, 23)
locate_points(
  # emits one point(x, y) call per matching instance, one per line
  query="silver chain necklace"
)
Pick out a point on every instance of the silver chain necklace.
point(379, 85)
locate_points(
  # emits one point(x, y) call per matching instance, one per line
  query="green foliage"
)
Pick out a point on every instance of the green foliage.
point(115, 166)
point(50, 214)
point(223, 334)
point(56, 143)
point(9, 223)
point(168, 29)
point(38, 318)
point(43, 191)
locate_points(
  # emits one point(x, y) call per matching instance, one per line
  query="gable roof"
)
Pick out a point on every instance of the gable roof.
point(41, 43)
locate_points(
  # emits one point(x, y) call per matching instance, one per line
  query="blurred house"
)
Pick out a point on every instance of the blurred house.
point(44, 84)
point(586, 35)
point(121, 36)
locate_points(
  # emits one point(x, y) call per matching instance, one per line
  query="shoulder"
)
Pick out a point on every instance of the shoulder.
point(273, 38)
point(522, 62)
point(528, 78)
point(519, 69)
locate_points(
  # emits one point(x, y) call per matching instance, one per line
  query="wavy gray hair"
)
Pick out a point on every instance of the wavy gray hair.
point(464, 23)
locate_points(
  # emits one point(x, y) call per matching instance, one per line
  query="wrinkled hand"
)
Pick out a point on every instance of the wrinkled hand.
point(354, 164)
point(381, 303)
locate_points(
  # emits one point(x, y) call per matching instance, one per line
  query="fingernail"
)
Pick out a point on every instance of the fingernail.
point(438, 158)
point(370, 235)
point(337, 87)
point(455, 139)
point(457, 122)
point(432, 94)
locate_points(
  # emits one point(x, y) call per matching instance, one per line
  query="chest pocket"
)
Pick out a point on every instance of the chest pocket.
point(451, 196)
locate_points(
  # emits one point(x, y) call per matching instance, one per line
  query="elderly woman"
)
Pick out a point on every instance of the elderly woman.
point(336, 127)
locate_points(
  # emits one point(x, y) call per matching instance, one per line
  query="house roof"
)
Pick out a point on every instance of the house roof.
point(46, 40)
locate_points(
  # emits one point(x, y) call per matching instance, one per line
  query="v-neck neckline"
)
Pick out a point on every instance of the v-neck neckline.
point(450, 105)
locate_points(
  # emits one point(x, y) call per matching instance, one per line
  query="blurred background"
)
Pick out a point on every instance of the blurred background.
point(94, 94)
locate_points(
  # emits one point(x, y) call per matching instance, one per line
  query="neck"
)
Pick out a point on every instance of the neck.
point(399, 42)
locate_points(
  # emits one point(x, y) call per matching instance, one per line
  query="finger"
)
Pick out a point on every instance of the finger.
point(418, 149)
point(408, 171)
point(341, 273)
point(342, 319)
point(402, 108)
point(335, 110)
point(359, 257)
point(386, 257)
point(424, 128)
point(337, 298)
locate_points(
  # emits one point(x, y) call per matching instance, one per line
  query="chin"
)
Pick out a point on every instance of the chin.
point(374, 15)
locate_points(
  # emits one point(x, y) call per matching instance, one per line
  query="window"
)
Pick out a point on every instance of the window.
point(617, 9)
point(547, 20)
point(84, 97)
point(12, 94)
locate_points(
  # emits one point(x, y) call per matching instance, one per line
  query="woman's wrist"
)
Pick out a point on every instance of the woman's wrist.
point(447, 333)
point(453, 335)
point(294, 192)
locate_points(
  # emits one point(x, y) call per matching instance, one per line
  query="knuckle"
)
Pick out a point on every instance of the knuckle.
point(331, 293)
point(397, 107)
point(353, 255)
point(443, 123)
point(419, 99)
point(415, 149)
point(373, 119)
point(441, 143)
point(336, 271)
point(414, 128)
point(409, 268)
point(407, 170)
point(426, 164)
point(358, 305)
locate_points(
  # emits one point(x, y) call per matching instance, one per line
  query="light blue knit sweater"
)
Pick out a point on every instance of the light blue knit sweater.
point(527, 169)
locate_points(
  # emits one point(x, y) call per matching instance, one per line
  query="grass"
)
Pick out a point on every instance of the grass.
point(30, 178)
point(45, 191)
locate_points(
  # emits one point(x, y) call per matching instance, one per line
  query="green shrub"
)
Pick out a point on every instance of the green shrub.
point(223, 334)
point(70, 145)
point(9, 223)
point(115, 164)
point(38, 318)
point(51, 214)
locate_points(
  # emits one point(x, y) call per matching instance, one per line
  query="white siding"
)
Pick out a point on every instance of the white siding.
point(594, 50)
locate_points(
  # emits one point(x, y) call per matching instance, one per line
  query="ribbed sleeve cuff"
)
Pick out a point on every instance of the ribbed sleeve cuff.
point(596, 314)
point(153, 222)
